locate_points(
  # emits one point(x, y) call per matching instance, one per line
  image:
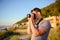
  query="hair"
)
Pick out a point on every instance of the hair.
point(36, 9)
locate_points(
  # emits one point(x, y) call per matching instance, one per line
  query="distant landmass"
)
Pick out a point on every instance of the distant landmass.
point(2, 27)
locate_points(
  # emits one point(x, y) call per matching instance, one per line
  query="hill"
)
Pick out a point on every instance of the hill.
point(52, 10)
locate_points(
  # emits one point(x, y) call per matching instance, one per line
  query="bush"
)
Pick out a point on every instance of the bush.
point(2, 33)
point(22, 27)
point(14, 37)
point(54, 34)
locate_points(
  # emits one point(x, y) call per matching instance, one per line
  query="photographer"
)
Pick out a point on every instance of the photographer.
point(37, 26)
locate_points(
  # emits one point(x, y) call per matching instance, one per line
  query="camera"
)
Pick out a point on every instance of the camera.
point(28, 15)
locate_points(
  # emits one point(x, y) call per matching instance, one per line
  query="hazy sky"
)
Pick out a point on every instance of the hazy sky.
point(12, 11)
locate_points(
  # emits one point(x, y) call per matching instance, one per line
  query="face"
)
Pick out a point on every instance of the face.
point(37, 14)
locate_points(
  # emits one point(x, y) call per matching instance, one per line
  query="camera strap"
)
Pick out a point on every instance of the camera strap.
point(39, 22)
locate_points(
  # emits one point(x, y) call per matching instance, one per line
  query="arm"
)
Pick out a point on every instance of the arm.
point(29, 28)
point(35, 31)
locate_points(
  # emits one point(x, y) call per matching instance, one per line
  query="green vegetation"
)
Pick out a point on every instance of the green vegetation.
point(22, 27)
point(2, 33)
point(7, 34)
point(14, 37)
point(54, 34)
point(23, 20)
point(52, 10)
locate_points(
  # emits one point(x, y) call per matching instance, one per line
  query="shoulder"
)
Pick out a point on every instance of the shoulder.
point(45, 24)
point(45, 21)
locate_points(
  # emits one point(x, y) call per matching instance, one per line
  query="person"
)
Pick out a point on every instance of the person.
point(38, 28)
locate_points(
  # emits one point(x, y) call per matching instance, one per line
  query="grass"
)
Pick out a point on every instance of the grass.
point(2, 33)
point(22, 27)
point(14, 37)
point(54, 34)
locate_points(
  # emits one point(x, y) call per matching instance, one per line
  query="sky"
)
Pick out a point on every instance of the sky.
point(12, 11)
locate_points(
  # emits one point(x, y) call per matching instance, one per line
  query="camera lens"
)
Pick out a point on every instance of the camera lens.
point(28, 15)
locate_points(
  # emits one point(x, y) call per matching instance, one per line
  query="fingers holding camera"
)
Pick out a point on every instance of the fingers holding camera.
point(32, 16)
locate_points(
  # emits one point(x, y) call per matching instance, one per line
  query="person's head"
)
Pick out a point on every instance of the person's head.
point(36, 11)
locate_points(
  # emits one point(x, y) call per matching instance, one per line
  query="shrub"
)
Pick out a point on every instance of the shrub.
point(54, 34)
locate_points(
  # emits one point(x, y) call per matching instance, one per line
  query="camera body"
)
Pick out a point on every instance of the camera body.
point(30, 15)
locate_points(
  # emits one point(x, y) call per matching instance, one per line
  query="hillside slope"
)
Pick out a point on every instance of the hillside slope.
point(52, 10)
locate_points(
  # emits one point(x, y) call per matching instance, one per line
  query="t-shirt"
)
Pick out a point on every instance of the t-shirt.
point(43, 24)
